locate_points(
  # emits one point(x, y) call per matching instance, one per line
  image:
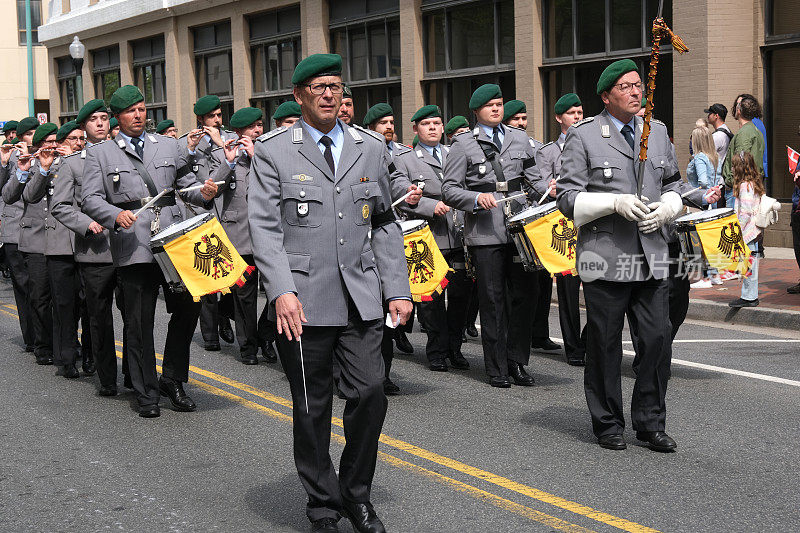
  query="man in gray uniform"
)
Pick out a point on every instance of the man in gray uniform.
point(482, 165)
point(92, 251)
point(9, 233)
point(215, 312)
point(622, 254)
point(118, 175)
point(568, 110)
point(32, 240)
point(319, 188)
point(424, 165)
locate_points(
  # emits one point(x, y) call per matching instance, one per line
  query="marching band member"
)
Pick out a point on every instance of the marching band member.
point(167, 127)
point(319, 187)
point(117, 176)
point(286, 114)
point(491, 158)
point(347, 110)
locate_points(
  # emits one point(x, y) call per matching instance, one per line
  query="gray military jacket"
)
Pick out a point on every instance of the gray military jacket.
point(110, 179)
point(58, 240)
point(548, 163)
point(31, 223)
point(468, 173)
point(231, 201)
point(311, 229)
point(66, 208)
point(12, 212)
point(597, 158)
point(418, 165)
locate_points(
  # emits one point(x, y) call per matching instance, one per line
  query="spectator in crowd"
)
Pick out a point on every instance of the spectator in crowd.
point(748, 188)
point(747, 139)
point(717, 113)
point(759, 124)
point(700, 123)
point(795, 289)
point(702, 172)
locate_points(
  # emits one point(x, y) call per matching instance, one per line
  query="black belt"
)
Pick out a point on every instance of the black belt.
point(164, 201)
point(513, 186)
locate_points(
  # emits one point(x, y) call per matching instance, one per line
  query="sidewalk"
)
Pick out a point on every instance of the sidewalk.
point(777, 271)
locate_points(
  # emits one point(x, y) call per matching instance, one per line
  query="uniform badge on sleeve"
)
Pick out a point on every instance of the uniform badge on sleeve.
point(365, 211)
point(482, 169)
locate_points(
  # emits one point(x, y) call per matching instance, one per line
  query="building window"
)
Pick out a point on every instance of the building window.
point(275, 51)
point(782, 18)
point(105, 69)
point(67, 88)
point(577, 51)
point(148, 75)
point(36, 21)
point(366, 33)
point(452, 94)
point(214, 65)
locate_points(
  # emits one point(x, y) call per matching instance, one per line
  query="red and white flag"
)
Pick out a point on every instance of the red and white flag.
point(794, 158)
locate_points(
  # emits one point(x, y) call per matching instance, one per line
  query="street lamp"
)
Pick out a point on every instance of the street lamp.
point(77, 51)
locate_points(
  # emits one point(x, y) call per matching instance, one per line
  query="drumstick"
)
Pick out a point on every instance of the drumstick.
point(198, 186)
point(690, 191)
point(303, 371)
point(151, 202)
point(547, 193)
point(406, 195)
point(509, 198)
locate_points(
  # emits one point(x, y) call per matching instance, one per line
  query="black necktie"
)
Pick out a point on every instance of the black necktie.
point(138, 145)
point(496, 138)
point(436, 156)
point(328, 154)
point(627, 132)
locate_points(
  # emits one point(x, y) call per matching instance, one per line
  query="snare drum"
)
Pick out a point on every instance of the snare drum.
point(410, 226)
point(516, 227)
point(168, 235)
point(691, 246)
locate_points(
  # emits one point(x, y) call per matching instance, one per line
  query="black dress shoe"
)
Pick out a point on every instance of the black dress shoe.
point(389, 388)
point(517, 373)
point(324, 525)
point(150, 412)
point(472, 331)
point(268, 351)
point(44, 359)
point(28, 348)
point(576, 361)
point(225, 331)
point(501, 382)
point(88, 365)
point(249, 359)
point(458, 361)
point(612, 442)
point(174, 390)
point(438, 366)
point(70, 372)
point(402, 342)
point(363, 517)
point(212, 346)
point(126, 381)
point(545, 344)
point(658, 440)
point(741, 302)
point(107, 390)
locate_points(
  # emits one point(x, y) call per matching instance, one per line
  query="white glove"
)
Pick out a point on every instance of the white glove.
point(661, 212)
point(630, 207)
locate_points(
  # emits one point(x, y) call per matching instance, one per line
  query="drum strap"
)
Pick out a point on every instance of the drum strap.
point(139, 166)
point(490, 151)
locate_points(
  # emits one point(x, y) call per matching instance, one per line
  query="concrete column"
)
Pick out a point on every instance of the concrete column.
point(52, 78)
point(528, 60)
point(411, 64)
point(125, 63)
point(240, 52)
point(314, 26)
point(179, 67)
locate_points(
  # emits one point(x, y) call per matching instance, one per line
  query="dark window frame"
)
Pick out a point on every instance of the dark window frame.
point(264, 45)
point(100, 73)
point(65, 78)
point(771, 38)
point(21, 28)
point(447, 94)
point(203, 54)
point(156, 109)
point(364, 24)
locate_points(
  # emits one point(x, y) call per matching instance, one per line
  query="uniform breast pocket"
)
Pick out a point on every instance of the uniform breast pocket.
point(658, 166)
point(119, 180)
point(230, 217)
point(165, 167)
point(365, 200)
point(302, 204)
point(603, 168)
point(515, 162)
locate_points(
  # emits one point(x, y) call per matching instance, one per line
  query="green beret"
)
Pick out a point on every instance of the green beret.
point(644, 102)
point(246, 116)
point(347, 93)
point(206, 105)
point(11, 125)
point(27, 124)
point(512, 107)
point(164, 125)
point(376, 112)
point(564, 103)
point(124, 97)
point(286, 109)
point(66, 129)
point(317, 65)
point(427, 111)
point(613, 72)
point(89, 109)
point(113, 123)
point(15, 140)
point(483, 94)
point(454, 123)
point(44, 131)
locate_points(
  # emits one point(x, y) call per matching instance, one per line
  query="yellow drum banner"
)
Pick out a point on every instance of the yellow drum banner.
point(206, 260)
point(554, 238)
point(723, 244)
point(427, 268)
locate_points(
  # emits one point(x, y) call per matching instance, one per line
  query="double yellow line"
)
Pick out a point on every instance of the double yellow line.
point(411, 449)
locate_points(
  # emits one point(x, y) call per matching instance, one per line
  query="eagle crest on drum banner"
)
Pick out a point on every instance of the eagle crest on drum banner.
point(427, 267)
point(723, 244)
point(554, 239)
point(206, 260)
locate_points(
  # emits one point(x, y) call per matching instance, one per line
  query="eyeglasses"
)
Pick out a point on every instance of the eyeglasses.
point(74, 139)
point(319, 88)
point(625, 88)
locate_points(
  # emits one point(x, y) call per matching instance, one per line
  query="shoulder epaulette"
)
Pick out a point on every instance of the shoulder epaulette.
point(73, 154)
point(584, 121)
point(513, 127)
point(546, 145)
point(272, 133)
point(656, 121)
point(402, 149)
point(462, 133)
point(374, 134)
